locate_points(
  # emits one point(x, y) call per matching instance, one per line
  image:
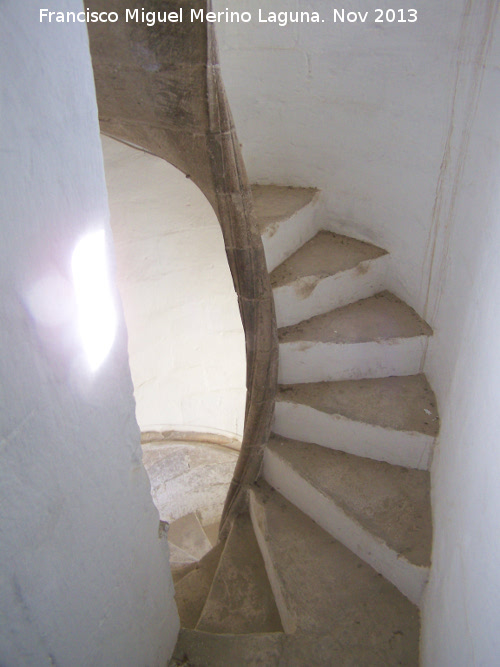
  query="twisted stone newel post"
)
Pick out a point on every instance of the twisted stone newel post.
point(160, 88)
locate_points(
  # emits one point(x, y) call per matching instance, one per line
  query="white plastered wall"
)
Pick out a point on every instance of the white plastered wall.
point(461, 614)
point(186, 340)
point(84, 577)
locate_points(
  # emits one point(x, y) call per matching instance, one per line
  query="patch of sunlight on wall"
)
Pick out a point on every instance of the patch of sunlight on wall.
point(95, 307)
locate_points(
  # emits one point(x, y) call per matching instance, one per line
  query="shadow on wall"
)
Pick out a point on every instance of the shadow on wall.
point(186, 340)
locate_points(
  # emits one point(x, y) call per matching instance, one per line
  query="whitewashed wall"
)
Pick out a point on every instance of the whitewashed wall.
point(186, 341)
point(84, 578)
point(462, 612)
point(359, 110)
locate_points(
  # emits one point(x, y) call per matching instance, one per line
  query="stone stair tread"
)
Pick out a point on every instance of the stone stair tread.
point(180, 570)
point(187, 533)
point(212, 532)
point(202, 649)
point(377, 318)
point(274, 203)
point(405, 403)
point(391, 502)
point(324, 255)
point(328, 590)
point(191, 591)
point(179, 556)
point(240, 600)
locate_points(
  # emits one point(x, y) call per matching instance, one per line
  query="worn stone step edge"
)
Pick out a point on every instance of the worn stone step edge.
point(219, 565)
point(193, 588)
point(214, 578)
point(282, 238)
point(408, 578)
point(380, 317)
point(392, 502)
point(302, 422)
point(189, 536)
point(180, 556)
point(212, 532)
point(181, 570)
point(201, 649)
point(196, 648)
point(305, 361)
point(240, 600)
point(307, 297)
point(329, 591)
point(275, 203)
point(404, 403)
point(289, 619)
point(326, 254)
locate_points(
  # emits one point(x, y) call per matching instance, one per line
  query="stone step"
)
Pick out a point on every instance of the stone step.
point(379, 511)
point(188, 535)
point(285, 217)
point(179, 557)
point(180, 570)
point(192, 590)
point(392, 419)
point(325, 590)
point(327, 272)
point(212, 532)
point(240, 599)
point(202, 649)
point(376, 337)
point(188, 476)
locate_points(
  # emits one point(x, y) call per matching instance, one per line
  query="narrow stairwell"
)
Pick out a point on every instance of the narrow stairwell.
point(329, 565)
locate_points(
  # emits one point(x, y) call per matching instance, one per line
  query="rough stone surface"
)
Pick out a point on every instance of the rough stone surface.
point(328, 591)
point(392, 502)
point(187, 533)
point(179, 557)
point(274, 203)
point(240, 600)
point(180, 570)
point(212, 532)
point(189, 478)
point(203, 649)
point(200, 649)
point(192, 589)
point(380, 317)
point(403, 403)
point(324, 255)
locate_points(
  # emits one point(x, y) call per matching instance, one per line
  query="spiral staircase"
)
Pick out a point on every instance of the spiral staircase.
point(329, 565)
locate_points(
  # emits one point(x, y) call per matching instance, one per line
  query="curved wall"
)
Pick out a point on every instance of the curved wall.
point(84, 577)
point(186, 341)
point(461, 611)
